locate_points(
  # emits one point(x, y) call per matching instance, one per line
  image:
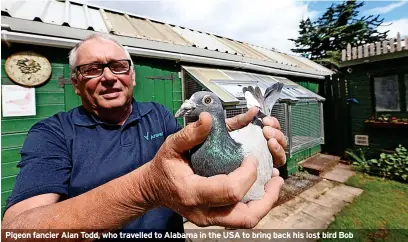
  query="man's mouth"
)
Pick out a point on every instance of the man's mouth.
point(111, 93)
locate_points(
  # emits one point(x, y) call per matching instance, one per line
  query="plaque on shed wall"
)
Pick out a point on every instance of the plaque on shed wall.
point(28, 68)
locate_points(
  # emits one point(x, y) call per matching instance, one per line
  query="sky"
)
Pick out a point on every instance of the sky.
point(266, 23)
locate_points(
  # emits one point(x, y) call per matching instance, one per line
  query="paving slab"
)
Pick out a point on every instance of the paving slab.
point(340, 173)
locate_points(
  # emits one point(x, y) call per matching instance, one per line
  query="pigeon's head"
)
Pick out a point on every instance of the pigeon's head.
point(199, 102)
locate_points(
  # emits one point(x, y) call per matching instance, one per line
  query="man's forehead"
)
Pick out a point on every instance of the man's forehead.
point(99, 50)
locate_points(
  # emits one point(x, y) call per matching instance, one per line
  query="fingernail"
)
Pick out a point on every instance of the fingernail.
point(277, 147)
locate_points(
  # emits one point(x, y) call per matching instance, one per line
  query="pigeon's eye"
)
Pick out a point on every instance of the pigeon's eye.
point(207, 100)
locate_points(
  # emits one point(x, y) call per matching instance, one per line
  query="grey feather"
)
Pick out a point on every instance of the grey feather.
point(223, 152)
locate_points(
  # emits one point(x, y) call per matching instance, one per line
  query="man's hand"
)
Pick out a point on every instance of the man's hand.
point(205, 201)
point(276, 140)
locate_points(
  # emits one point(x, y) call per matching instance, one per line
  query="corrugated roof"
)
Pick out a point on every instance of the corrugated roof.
point(203, 40)
point(243, 49)
point(56, 12)
point(91, 17)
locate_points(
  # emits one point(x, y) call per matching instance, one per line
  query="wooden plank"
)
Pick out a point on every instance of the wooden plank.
point(399, 42)
point(18, 125)
point(378, 48)
point(4, 196)
point(348, 51)
point(47, 98)
point(12, 140)
point(360, 52)
point(385, 47)
point(343, 55)
point(392, 45)
point(366, 50)
point(9, 169)
point(372, 53)
point(7, 183)
point(10, 155)
point(354, 50)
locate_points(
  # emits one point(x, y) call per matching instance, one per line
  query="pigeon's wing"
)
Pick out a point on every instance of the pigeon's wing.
point(250, 98)
point(271, 96)
point(254, 97)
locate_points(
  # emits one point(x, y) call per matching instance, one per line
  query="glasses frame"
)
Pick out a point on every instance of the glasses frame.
point(103, 65)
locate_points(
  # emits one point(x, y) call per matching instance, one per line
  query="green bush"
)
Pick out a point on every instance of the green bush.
point(394, 166)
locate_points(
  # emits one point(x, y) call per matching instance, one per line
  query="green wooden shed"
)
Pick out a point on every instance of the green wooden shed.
point(376, 76)
point(162, 55)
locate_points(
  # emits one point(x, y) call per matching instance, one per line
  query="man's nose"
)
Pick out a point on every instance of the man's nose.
point(108, 75)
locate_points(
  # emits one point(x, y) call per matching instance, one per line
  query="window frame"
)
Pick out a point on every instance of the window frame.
point(402, 90)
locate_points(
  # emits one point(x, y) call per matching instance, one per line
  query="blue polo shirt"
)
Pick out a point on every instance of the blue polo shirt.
point(73, 152)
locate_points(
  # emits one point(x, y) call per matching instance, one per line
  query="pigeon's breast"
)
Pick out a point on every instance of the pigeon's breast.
point(254, 143)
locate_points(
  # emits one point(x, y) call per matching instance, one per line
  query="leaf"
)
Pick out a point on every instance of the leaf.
point(405, 176)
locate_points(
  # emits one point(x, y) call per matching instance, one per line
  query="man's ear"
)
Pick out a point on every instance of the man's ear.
point(74, 82)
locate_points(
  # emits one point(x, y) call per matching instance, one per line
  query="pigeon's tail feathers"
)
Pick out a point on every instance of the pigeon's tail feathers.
point(264, 102)
point(272, 94)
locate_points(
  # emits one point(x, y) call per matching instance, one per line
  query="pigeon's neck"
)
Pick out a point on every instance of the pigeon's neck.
point(219, 127)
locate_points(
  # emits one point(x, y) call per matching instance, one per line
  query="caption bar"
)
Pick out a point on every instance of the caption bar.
point(176, 235)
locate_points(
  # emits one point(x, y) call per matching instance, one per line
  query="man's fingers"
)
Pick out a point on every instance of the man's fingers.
point(222, 190)
point(278, 153)
point(271, 121)
point(192, 135)
point(261, 207)
point(241, 120)
point(248, 215)
point(270, 133)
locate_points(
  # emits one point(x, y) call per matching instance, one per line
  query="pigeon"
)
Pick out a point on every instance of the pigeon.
point(222, 152)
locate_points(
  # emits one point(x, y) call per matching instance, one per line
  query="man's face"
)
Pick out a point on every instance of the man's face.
point(108, 90)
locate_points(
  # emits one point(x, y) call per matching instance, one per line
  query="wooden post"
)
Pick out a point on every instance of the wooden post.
point(366, 50)
point(385, 47)
point(360, 51)
point(349, 51)
point(343, 55)
point(392, 45)
point(398, 42)
point(372, 53)
point(354, 52)
point(378, 48)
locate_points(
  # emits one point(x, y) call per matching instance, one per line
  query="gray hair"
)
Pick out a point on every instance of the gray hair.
point(73, 53)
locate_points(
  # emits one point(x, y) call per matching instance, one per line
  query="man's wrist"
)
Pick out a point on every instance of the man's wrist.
point(143, 185)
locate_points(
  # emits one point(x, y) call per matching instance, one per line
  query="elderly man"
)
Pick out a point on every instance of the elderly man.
point(91, 167)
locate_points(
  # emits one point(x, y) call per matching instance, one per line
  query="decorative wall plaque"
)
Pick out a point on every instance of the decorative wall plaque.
point(28, 68)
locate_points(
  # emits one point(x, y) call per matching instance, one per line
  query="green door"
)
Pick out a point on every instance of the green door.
point(156, 83)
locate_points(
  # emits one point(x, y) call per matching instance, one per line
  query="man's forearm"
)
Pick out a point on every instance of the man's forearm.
point(107, 207)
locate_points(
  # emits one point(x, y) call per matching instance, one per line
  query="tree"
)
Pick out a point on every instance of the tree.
point(323, 40)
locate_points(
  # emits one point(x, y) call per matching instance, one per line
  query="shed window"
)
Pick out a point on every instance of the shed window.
point(386, 93)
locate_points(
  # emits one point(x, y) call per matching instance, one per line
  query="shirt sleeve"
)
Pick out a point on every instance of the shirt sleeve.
point(45, 165)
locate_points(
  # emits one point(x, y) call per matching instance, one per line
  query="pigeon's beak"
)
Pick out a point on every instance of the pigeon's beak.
point(185, 108)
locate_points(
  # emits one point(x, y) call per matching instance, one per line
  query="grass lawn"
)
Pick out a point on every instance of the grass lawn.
point(382, 205)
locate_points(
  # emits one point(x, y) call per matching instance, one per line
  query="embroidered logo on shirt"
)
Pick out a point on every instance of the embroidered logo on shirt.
point(153, 136)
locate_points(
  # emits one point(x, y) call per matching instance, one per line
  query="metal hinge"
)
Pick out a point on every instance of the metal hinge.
point(171, 77)
point(62, 81)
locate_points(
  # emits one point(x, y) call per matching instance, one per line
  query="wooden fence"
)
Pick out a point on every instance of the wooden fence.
point(372, 49)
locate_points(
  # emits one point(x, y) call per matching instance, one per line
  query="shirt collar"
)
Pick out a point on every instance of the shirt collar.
point(81, 117)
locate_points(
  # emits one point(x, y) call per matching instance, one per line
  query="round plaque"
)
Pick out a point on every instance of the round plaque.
point(28, 68)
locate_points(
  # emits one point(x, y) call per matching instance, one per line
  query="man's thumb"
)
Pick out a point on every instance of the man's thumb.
point(192, 135)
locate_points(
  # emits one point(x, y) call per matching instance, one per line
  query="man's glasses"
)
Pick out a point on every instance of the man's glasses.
point(93, 70)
